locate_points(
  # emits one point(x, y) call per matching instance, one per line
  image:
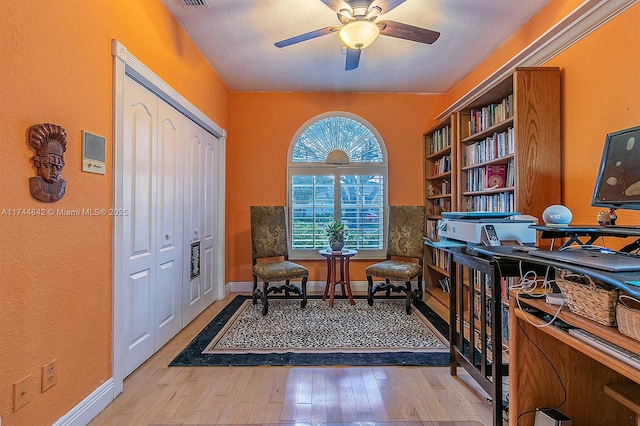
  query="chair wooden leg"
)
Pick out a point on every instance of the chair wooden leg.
point(303, 284)
point(265, 302)
point(418, 294)
point(370, 290)
point(408, 298)
point(254, 292)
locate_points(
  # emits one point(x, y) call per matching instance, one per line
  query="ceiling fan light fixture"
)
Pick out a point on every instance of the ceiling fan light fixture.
point(359, 34)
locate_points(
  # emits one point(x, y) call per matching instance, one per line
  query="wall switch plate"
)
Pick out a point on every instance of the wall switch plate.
point(94, 153)
point(21, 393)
point(49, 375)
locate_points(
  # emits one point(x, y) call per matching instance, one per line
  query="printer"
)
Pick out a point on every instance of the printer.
point(487, 228)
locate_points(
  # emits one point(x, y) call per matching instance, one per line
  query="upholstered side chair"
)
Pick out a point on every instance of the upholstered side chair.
point(270, 257)
point(405, 248)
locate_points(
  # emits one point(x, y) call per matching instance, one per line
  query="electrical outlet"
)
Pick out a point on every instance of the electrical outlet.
point(49, 375)
point(21, 393)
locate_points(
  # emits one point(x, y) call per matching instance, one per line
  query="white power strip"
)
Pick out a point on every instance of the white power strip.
point(556, 299)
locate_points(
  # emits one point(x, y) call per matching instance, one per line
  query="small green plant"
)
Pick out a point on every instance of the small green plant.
point(335, 231)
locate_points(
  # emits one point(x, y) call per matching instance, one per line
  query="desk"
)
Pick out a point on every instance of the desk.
point(548, 366)
point(502, 254)
point(332, 269)
point(590, 232)
point(475, 323)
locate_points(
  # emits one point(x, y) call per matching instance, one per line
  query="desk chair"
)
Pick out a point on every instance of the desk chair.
point(405, 248)
point(270, 256)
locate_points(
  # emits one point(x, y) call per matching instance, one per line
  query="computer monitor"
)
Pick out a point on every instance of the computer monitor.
point(618, 182)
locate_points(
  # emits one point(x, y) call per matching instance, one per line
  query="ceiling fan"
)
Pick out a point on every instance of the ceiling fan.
point(359, 29)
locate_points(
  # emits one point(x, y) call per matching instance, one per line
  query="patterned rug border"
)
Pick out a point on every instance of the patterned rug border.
point(191, 355)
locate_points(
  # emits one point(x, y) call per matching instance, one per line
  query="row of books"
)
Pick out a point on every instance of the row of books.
point(505, 325)
point(506, 283)
point(444, 284)
point(496, 146)
point(500, 202)
point(432, 230)
point(490, 115)
point(442, 165)
point(440, 259)
point(504, 317)
point(489, 177)
point(505, 341)
point(440, 139)
point(477, 308)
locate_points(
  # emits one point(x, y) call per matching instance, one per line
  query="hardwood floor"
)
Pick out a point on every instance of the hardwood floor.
point(156, 394)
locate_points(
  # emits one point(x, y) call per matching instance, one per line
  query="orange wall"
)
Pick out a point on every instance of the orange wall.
point(55, 272)
point(601, 94)
point(600, 88)
point(547, 17)
point(262, 128)
point(57, 67)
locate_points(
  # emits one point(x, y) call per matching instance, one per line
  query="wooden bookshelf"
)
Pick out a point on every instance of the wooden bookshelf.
point(440, 194)
point(516, 124)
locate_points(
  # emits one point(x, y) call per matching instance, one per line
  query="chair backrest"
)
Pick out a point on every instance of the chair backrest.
point(268, 232)
point(406, 229)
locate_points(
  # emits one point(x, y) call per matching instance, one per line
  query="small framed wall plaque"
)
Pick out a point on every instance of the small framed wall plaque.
point(195, 260)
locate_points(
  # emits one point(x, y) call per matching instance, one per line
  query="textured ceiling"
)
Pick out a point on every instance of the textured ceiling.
point(237, 37)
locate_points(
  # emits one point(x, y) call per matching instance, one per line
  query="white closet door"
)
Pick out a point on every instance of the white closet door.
point(153, 231)
point(200, 218)
point(139, 227)
point(160, 169)
point(210, 195)
point(169, 240)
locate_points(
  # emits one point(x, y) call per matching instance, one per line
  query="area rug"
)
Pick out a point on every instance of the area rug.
point(353, 335)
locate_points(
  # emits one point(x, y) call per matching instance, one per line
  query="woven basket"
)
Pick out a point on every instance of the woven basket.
point(628, 316)
point(588, 299)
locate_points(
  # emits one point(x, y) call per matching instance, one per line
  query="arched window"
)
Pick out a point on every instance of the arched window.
point(337, 169)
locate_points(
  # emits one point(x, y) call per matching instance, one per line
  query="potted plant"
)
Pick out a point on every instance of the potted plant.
point(335, 233)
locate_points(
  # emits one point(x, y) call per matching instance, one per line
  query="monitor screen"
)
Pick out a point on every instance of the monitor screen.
point(618, 182)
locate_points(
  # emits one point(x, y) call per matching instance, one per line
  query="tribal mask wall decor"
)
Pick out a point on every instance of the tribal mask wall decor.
point(49, 142)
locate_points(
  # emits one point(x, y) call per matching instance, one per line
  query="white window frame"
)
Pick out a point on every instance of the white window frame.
point(354, 168)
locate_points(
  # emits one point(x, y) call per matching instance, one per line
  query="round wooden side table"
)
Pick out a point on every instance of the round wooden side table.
point(332, 269)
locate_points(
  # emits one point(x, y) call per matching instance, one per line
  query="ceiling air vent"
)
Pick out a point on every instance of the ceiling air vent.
point(196, 3)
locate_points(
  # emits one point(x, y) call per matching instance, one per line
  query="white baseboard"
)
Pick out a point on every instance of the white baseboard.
point(89, 407)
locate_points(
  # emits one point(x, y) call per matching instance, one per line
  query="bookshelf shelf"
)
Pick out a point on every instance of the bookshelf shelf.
point(496, 128)
point(436, 197)
point(489, 191)
point(500, 160)
point(443, 175)
point(436, 155)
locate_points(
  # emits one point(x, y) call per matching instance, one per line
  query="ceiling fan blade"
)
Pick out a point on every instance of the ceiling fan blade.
point(353, 59)
point(335, 5)
point(306, 36)
point(387, 5)
point(407, 32)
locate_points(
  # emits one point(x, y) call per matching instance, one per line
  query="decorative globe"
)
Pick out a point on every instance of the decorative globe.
point(557, 215)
